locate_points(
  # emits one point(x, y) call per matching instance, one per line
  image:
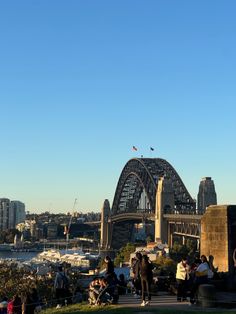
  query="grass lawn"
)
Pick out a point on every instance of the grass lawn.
point(114, 309)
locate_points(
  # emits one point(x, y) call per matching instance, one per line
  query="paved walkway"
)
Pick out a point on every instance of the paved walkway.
point(157, 301)
point(164, 301)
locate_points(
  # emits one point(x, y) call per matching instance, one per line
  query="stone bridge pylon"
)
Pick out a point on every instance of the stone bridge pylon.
point(165, 202)
point(105, 237)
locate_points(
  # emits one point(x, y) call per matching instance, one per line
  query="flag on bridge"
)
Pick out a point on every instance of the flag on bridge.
point(134, 148)
point(151, 148)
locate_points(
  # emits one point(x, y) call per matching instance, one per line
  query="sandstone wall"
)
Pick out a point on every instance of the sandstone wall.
point(218, 235)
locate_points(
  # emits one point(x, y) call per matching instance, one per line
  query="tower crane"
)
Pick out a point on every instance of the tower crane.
point(67, 228)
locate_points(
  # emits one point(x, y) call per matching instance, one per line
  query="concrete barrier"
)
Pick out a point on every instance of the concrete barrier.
point(207, 295)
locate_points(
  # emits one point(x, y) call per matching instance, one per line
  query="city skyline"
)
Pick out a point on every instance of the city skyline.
point(85, 82)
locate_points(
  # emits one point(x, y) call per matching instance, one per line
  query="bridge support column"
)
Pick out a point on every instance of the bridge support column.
point(105, 232)
point(164, 201)
point(170, 236)
point(198, 244)
point(183, 240)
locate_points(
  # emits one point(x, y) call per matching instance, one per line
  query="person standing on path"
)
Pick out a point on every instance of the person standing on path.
point(182, 277)
point(136, 271)
point(61, 286)
point(146, 279)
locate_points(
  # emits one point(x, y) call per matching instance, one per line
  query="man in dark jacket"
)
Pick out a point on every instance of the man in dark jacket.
point(146, 279)
point(136, 267)
point(61, 286)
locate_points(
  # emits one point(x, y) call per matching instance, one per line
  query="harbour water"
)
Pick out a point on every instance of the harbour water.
point(24, 256)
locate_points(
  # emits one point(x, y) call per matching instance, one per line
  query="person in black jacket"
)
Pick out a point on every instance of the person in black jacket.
point(146, 279)
point(61, 286)
point(29, 302)
point(112, 279)
point(109, 266)
point(136, 266)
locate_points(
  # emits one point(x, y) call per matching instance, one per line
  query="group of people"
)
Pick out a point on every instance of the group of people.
point(99, 292)
point(189, 277)
point(142, 277)
point(107, 289)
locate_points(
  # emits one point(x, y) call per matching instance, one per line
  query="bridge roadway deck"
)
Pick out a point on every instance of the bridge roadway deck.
point(140, 216)
point(166, 301)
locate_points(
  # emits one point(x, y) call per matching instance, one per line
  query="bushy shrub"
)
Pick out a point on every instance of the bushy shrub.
point(124, 254)
point(164, 266)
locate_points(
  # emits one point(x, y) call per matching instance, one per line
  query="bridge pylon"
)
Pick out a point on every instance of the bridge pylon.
point(164, 201)
point(105, 222)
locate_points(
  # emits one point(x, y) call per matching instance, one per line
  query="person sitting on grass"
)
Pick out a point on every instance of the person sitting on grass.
point(94, 290)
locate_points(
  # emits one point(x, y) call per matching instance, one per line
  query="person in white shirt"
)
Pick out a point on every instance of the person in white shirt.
point(182, 277)
point(202, 271)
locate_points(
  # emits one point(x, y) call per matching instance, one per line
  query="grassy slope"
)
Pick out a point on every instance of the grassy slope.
point(84, 308)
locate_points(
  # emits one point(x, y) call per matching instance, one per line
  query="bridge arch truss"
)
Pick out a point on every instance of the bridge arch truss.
point(139, 178)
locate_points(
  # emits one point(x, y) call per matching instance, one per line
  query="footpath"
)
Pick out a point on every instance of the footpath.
point(165, 301)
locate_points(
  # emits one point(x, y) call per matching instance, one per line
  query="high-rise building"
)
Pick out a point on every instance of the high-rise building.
point(11, 213)
point(18, 209)
point(5, 213)
point(206, 194)
point(52, 230)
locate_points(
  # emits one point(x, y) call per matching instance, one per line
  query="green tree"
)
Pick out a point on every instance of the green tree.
point(149, 239)
point(164, 265)
point(7, 236)
point(124, 254)
point(191, 245)
point(178, 251)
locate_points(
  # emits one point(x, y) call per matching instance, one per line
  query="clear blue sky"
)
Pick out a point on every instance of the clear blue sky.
point(81, 82)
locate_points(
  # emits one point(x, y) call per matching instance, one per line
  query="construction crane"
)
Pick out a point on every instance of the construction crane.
point(67, 228)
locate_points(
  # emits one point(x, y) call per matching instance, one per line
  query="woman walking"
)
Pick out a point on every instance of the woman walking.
point(146, 279)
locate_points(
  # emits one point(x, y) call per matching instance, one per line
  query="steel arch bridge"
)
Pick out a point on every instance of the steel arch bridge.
point(135, 200)
point(139, 179)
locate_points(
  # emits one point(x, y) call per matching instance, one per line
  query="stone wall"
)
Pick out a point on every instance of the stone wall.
point(218, 235)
